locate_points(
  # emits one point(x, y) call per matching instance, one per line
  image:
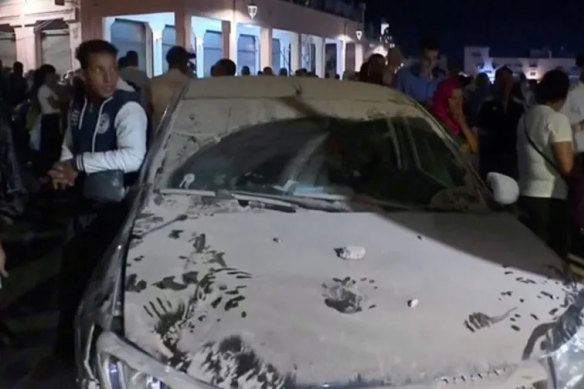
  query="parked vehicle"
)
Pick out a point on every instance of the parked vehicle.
point(304, 233)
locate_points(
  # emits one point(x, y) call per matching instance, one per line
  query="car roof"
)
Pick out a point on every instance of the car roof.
point(277, 87)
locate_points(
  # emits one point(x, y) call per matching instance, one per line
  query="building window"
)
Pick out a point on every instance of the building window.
point(129, 35)
point(212, 50)
point(476, 54)
point(276, 55)
point(168, 41)
point(246, 52)
point(533, 74)
point(533, 65)
point(312, 65)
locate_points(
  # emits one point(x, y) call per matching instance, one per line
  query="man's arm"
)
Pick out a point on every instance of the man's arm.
point(131, 124)
point(66, 153)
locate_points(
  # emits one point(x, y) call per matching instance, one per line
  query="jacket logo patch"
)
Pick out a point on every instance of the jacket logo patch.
point(104, 123)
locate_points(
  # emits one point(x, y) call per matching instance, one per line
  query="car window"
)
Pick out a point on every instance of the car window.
point(396, 160)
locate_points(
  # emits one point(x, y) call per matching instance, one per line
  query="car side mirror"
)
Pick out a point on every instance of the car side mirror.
point(504, 188)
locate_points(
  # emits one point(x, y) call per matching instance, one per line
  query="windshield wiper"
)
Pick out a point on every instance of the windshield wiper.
point(281, 202)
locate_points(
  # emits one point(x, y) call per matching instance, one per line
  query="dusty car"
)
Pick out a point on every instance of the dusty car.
point(305, 233)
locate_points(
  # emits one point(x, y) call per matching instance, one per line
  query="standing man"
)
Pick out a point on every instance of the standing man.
point(17, 85)
point(497, 126)
point(106, 133)
point(419, 81)
point(574, 107)
point(161, 90)
point(132, 74)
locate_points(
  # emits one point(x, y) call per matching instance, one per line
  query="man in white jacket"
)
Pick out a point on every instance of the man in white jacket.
point(106, 132)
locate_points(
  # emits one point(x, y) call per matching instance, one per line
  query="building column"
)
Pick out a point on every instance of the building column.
point(74, 42)
point(358, 56)
point(266, 47)
point(320, 60)
point(157, 57)
point(27, 47)
point(199, 38)
point(107, 24)
point(295, 53)
point(341, 57)
point(229, 36)
point(182, 23)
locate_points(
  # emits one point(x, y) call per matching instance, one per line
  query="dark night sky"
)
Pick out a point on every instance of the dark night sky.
point(509, 27)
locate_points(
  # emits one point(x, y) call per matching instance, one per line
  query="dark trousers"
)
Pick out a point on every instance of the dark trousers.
point(550, 220)
point(51, 140)
point(88, 237)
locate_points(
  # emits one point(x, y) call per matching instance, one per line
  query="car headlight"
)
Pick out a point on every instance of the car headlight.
point(123, 366)
point(566, 365)
point(121, 376)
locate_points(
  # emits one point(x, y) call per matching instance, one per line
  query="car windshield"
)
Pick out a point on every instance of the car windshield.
point(398, 160)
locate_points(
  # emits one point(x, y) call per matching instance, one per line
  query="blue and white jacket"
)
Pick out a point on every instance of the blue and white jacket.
point(106, 136)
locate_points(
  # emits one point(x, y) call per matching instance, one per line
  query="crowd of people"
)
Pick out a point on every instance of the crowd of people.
point(84, 133)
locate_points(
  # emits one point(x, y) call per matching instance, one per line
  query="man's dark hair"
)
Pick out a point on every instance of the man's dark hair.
point(18, 66)
point(428, 44)
point(132, 58)
point(96, 46)
point(228, 66)
point(503, 69)
point(122, 62)
point(553, 87)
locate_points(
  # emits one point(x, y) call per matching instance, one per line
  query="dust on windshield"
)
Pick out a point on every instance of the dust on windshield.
point(398, 160)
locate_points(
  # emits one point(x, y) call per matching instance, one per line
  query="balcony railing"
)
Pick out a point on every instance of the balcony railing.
point(349, 9)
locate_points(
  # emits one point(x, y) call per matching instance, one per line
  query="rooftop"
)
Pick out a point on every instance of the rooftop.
point(350, 9)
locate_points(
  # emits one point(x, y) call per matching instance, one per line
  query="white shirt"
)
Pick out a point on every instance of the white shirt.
point(545, 127)
point(44, 97)
point(574, 110)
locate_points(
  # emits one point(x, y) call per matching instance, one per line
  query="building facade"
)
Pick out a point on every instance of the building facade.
point(253, 33)
point(478, 60)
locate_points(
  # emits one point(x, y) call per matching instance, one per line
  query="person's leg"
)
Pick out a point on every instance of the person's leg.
point(559, 227)
point(535, 214)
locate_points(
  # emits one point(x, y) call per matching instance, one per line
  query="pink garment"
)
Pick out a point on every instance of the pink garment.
point(441, 106)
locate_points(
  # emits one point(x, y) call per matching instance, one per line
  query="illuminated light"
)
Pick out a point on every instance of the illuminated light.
point(252, 9)
point(359, 34)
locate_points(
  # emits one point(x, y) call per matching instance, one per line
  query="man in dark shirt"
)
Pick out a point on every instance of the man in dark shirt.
point(497, 123)
point(17, 85)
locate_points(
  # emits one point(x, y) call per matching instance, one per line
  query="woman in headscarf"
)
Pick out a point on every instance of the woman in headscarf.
point(448, 108)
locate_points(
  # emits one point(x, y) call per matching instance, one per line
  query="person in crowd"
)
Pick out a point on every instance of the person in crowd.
point(376, 68)
point(122, 63)
point(497, 126)
point(283, 72)
point(419, 81)
point(268, 71)
point(394, 60)
point(546, 163)
point(162, 89)
point(132, 74)
point(477, 93)
point(527, 91)
point(574, 106)
point(260, 73)
point(46, 136)
point(447, 106)
point(3, 272)
point(245, 71)
point(17, 85)
point(107, 132)
point(225, 68)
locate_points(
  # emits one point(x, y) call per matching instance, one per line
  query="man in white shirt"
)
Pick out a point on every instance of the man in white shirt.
point(161, 90)
point(574, 107)
point(546, 162)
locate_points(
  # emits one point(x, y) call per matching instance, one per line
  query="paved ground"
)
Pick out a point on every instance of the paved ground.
point(28, 300)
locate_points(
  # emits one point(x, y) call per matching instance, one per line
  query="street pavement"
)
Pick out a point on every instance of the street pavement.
point(28, 300)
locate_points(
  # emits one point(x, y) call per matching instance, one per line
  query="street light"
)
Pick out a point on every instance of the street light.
point(359, 34)
point(252, 9)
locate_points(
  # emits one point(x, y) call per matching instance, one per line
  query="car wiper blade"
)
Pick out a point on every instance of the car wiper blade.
point(286, 201)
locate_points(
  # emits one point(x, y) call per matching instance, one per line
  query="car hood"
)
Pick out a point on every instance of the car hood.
point(229, 295)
